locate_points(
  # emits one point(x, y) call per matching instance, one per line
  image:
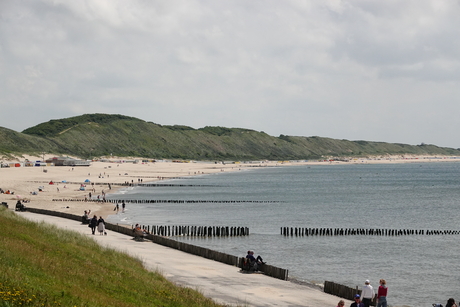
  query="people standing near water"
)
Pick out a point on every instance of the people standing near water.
point(123, 206)
point(93, 224)
point(357, 302)
point(382, 294)
point(367, 294)
point(451, 303)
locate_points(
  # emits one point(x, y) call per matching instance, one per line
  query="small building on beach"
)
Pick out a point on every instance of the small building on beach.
point(66, 161)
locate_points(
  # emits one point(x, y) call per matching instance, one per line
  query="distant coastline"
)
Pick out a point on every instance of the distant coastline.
point(23, 181)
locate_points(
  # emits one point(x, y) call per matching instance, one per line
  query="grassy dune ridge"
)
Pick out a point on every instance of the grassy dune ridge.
point(96, 135)
point(45, 266)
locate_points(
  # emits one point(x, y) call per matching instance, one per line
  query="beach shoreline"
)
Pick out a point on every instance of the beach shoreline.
point(66, 181)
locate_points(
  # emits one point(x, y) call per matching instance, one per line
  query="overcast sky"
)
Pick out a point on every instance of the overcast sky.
point(358, 70)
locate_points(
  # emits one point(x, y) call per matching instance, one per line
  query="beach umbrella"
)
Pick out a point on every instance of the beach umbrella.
point(64, 180)
point(87, 180)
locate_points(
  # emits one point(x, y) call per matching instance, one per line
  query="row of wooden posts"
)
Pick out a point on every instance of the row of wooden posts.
point(129, 184)
point(295, 231)
point(197, 231)
point(153, 201)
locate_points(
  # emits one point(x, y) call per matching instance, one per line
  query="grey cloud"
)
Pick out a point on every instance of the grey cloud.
point(342, 69)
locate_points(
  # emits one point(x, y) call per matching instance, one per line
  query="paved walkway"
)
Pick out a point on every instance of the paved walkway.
point(223, 283)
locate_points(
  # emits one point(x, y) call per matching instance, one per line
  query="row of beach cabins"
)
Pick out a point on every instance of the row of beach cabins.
point(56, 161)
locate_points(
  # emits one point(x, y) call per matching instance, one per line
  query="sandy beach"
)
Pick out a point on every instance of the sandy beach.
point(24, 182)
point(221, 282)
point(32, 184)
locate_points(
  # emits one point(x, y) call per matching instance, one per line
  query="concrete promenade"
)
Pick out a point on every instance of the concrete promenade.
point(223, 283)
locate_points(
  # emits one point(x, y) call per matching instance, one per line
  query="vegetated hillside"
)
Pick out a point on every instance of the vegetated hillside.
point(94, 135)
point(14, 142)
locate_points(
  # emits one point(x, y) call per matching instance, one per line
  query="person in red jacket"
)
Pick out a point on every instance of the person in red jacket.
point(382, 294)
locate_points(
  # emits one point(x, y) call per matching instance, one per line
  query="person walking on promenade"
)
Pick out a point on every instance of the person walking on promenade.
point(341, 303)
point(101, 226)
point(382, 294)
point(367, 294)
point(93, 224)
point(357, 302)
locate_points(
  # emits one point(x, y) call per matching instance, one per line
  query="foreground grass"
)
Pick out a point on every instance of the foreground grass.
point(43, 266)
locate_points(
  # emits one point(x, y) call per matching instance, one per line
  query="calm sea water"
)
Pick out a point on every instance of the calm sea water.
point(420, 270)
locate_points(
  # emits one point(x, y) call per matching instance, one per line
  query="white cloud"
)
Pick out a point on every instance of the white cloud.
point(373, 70)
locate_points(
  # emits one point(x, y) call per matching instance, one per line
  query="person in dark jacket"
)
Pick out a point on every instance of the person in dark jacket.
point(357, 302)
point(451, 303)
point(93, 224)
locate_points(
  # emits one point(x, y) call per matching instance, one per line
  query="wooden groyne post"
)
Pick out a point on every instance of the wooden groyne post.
point(301, 231)
point(197, 231)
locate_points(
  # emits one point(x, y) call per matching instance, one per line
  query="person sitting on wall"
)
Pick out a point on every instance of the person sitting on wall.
point(139, 230)
point(85, 218)
point(254, 262)
point(20, 206)
point(139, 233)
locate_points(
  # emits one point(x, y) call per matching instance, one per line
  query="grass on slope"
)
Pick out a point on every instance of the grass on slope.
point(44, 266)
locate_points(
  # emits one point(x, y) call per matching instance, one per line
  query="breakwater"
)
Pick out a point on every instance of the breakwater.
point(296, 231)
point(196, 231)
point(124, 184)
point(153, 201)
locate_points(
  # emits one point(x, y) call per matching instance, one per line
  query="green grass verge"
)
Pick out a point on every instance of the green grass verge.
point(43, 266)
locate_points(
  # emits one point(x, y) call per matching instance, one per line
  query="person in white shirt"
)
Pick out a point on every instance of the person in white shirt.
point(367, 294)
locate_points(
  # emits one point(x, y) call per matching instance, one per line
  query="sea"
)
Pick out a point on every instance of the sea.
point(419, 269)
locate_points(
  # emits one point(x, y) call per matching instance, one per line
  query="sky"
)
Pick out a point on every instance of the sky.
point(386, 71)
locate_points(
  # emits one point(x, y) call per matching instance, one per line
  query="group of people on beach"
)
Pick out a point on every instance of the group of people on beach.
point(117, 207)
point(5, 192)
point(367, 296)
